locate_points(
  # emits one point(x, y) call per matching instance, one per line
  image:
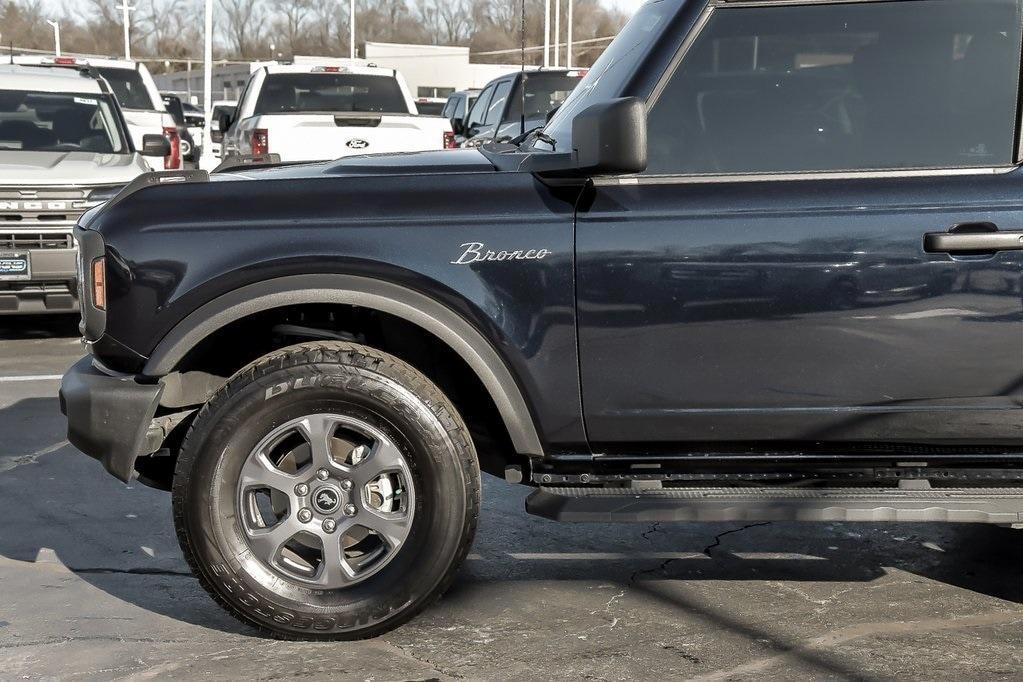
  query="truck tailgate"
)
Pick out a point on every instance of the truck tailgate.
point(308, 137)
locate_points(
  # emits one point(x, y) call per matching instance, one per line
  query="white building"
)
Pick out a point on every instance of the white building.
point(430, 70)
point(435, 70)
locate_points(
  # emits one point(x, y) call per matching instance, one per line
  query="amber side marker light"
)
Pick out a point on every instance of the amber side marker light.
point(99, 283)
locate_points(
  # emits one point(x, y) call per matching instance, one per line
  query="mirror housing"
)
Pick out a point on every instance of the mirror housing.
point(610, 137)
point(457, 125)
point(224, 121)
point(155, 145)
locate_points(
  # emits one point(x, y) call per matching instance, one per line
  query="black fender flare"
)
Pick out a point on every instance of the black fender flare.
point(364, 292)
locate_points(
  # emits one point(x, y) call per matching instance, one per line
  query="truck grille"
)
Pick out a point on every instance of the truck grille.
point(34, 210)
point(36, 240)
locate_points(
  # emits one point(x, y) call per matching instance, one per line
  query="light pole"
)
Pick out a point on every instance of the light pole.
point(557, 33)
point(546, 33)
point(56, 36)
point(207, 66)
point(273, 51)
point(351, 29)
point(568, 50)
point(125, 8)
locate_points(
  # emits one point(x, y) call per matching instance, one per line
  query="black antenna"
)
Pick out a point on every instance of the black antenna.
point(522, 80)
point(12, 52)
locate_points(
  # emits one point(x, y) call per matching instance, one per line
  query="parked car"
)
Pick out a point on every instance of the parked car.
point(306, 113)
point(136, 94)
point(455, 109)
point(318, 360)
point(515, 104)
point(64, 148)
point(191, 150)
point(222, 114)
point(430, 106)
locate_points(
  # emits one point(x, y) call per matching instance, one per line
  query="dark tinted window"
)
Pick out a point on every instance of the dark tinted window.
point(931, 83)
point(50, 121)
point(544, 92)
point(330, 92)
point(479, 108)
point(430, 108)
point(128, 88)
point(496, 107)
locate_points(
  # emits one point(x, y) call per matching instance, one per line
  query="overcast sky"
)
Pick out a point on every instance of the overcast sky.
point(627, 6)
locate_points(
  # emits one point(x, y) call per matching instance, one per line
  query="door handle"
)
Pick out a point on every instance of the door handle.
point(973, 242)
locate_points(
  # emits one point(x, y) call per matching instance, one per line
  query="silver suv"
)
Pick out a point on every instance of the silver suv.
point(63, 149)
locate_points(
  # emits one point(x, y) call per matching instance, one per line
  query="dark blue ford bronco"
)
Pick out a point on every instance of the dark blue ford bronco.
point(764, 263)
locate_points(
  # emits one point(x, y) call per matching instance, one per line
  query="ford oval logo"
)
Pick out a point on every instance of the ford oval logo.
point(356, 143)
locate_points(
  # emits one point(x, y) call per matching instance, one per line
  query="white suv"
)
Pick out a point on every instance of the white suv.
point(64, 148)
point(137, 94)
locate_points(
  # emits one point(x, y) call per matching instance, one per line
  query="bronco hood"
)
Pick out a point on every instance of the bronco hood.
point(68, 168)
point(437, 161)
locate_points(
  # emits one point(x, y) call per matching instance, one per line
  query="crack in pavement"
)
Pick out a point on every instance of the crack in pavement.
point(655, 528)
point(717, 538)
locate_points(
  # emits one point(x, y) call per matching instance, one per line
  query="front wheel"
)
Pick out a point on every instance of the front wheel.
point(327, 491)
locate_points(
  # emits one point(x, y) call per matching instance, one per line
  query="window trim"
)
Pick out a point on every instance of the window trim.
point(692, 178)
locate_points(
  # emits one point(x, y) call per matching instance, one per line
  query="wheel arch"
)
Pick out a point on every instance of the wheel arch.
point(412, 306)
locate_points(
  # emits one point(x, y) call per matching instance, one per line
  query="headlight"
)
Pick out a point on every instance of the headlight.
point(101, 195)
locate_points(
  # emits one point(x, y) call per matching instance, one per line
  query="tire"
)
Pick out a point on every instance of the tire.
point(432, 493)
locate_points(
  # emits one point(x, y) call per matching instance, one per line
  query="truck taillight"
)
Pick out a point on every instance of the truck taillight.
point(99, 283)
point(260, 141)
point(449, 140)
point(173, 160)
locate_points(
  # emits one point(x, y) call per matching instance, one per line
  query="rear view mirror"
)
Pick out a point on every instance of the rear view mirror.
point(457, 125)
point(610, 137)
point(155, 145)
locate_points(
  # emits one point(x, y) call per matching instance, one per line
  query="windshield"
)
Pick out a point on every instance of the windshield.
point(430, 108)
point(544, 92)
point(330, 92)
point(607, 73)
point(59, 122)
point(128, 88)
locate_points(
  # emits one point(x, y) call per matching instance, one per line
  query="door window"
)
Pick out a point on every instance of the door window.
point(496, 107)
point(479, 110)
point(860, 86)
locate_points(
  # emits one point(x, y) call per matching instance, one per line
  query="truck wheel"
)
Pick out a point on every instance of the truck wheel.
point(327, 491)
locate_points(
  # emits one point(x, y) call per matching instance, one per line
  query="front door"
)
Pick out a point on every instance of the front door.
point(767, 279)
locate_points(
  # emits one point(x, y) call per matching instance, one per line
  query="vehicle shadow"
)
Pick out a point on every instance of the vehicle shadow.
point(18, 327)
point(59, 505)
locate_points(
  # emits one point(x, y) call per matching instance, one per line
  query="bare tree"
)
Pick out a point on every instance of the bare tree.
point(243, 19)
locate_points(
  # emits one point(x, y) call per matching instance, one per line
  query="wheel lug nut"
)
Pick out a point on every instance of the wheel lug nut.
point(304, 515)
point(301, 489)
point(329, 525)
point(350, 509)
point(323, 474)
point(346, 485)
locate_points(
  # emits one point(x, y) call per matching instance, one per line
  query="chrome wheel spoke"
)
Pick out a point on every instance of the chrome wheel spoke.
point(317, 429)
point(266, 542)
point(259, 472)
point(391, 527)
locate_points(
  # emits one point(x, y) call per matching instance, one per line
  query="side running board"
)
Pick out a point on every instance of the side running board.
point(964, 505)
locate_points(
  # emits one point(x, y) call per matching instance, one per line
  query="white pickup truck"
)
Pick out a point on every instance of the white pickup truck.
point(308, 112)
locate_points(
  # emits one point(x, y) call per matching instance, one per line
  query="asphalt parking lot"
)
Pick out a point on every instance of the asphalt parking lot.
point(93, 586)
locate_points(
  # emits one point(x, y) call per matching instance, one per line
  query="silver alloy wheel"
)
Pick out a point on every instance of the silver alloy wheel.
point(326, 500)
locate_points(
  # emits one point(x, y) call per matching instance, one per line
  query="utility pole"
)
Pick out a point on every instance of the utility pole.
point(56, 36)
point(351, 28)
point(557, 33)
point(125, 8)
point(546, 33)
point(568, 52)
point(207, 63)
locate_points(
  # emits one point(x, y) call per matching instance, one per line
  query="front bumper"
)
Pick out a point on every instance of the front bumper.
point(108, 416)
point(51, 289)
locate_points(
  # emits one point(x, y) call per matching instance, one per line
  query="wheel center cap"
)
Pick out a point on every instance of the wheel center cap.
point(326, 500)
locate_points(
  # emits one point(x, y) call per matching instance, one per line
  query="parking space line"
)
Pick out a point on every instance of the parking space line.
point(31, 377)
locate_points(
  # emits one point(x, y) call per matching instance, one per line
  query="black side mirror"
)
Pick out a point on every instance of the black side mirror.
point(155, 145)
point(610, 137)
point(457, 125)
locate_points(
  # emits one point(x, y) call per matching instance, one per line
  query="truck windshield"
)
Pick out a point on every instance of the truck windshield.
point(59, 122)
point(128, 87)
point(330, 92)
point(606, 74)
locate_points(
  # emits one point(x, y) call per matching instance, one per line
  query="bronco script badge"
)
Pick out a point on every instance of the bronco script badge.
point(474, 252)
